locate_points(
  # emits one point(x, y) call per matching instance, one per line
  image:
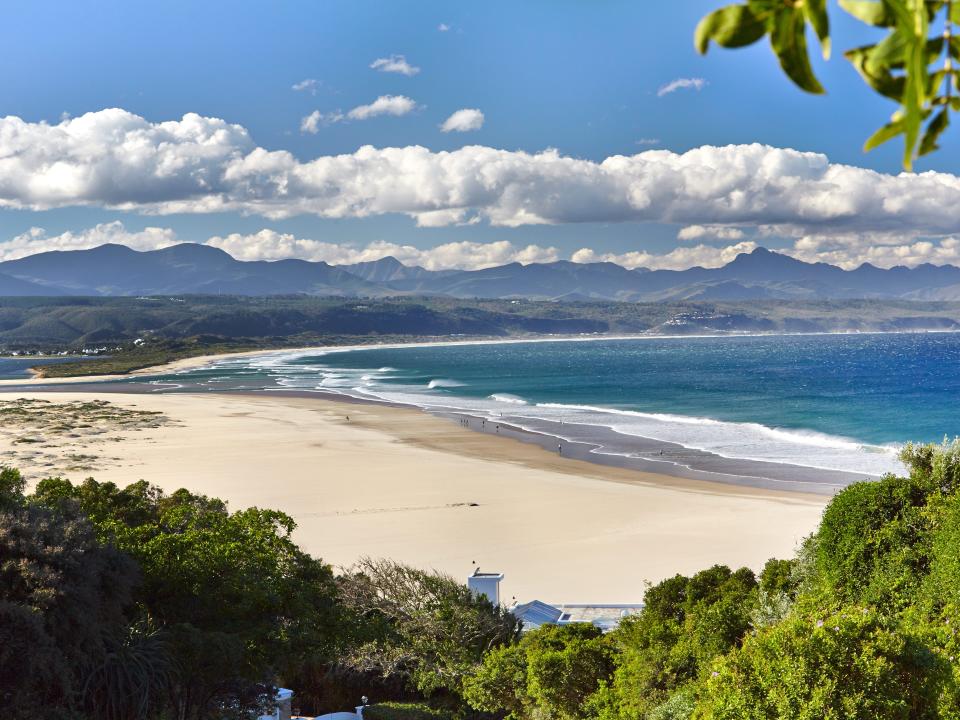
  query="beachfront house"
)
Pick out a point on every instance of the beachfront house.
point(606, 617)
point(535, 613)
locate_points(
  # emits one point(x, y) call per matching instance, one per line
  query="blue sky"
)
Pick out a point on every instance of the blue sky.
point(576, 76)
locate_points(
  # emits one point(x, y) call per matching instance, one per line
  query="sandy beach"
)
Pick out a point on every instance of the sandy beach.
point(400, 483)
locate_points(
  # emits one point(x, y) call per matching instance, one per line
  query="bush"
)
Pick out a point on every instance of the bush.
point(553, 672)
point(404, 711)
point(685, 624)
point(873, 542)
point(852, 664)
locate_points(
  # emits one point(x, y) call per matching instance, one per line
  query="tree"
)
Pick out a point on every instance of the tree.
point(12, 486)
point(554, 672)
point(913, 65)
point(423, 626)
point(238, 602)
point(62, 601)
point(853, 663)
point(686, 622)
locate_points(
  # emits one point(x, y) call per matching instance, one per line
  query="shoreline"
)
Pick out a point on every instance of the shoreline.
point(680, 464)
point(402, 483)
point(599, 445)
point(201, 360)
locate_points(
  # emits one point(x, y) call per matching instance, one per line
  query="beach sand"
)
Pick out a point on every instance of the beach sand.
point(399, 483)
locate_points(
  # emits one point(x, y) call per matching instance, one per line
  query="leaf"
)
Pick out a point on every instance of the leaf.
point(934, 130)
point(887, 132)
point(875, 74)
point(872, 13)
point(912, 23)
point(789, 41)
point(891, 52)
point(732, 26)
point(816, 12)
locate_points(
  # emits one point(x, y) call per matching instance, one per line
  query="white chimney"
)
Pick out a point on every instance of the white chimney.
point(488, 584)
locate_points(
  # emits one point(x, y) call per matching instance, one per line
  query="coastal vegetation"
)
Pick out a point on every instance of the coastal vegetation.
point(122, 603)
point(120, 335)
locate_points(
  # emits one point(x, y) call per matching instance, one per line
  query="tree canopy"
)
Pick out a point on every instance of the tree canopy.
point(914, 65)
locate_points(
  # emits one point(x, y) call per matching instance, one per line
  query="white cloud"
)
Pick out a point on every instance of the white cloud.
point(715, 232)
point(847, 251)
point(395, 105)
point(443, 27)
point(463, 121)
point(36, 240)
point(648, 141)
point(270, 245)
point(850, 250)
point(682, 84)
point(309, 85)
point(678, 259)
point(311, 123)
point(395, 64)
point(118, 160)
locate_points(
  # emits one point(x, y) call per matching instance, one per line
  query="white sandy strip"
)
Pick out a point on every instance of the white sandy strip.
point(399, 483)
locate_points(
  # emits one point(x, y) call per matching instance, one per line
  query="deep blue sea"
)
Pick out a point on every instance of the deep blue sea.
point(841, 402)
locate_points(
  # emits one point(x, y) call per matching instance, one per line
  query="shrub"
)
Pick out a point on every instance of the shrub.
point(852, 664)
point(404, 711)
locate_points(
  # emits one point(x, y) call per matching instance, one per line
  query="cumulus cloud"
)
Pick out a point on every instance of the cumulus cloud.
point(270, 245)
point(847, 251)
point(311, 123)
point(384, 105)
point(395, 105)
point(309, 85)
point(395, 64)
point(463, 120)
point(115, 159)
point(36, 240)
point(678, 259)
point(715, 232)
point(850, 250)
point(682, 84)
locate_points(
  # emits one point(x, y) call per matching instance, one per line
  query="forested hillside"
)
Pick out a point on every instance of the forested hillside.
point(75, 322)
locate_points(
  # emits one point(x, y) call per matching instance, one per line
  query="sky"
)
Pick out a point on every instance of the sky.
point(449, 134)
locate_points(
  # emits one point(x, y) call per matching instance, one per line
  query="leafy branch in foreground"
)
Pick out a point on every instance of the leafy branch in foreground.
point(913, 65)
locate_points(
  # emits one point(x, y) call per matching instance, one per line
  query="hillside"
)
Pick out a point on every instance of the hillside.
point(70, 323)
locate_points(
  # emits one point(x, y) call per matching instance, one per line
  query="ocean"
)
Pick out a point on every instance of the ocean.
point(799, 412)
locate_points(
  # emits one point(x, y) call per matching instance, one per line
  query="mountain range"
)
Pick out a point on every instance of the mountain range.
point(189, 268)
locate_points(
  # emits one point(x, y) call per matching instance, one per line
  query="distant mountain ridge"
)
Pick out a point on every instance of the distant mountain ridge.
point(190, 268)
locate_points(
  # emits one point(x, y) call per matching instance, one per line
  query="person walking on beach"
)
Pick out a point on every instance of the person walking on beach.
point(559, 449)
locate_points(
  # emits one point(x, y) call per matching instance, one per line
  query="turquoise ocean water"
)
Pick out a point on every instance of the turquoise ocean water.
point(838, 402)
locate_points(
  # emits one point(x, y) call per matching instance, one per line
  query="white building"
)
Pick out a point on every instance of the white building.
point(606, 617)
point(535, 613)
point(488, 584)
